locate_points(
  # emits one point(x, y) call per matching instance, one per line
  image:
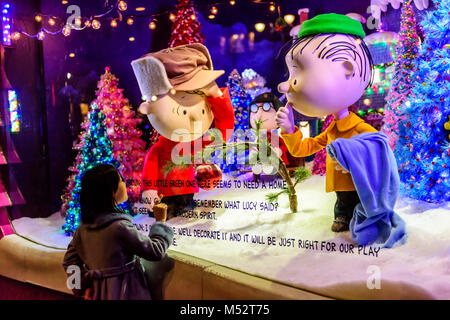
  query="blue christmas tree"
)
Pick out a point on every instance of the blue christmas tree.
point(241, 102)
point(423, 150)
point(95, 148)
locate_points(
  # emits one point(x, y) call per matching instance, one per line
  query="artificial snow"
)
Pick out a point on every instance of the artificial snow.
point(299, 249)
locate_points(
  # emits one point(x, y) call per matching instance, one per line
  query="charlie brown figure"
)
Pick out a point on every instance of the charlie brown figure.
point(330, 67)
point(183, 100)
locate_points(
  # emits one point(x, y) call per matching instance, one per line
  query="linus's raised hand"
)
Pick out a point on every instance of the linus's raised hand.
point(285, 119)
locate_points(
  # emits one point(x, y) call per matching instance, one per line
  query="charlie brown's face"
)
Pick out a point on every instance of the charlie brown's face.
point(181, 116)
point(324, 78)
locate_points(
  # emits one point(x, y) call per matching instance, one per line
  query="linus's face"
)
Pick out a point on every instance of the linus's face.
point(179, 117)
point(326, 74)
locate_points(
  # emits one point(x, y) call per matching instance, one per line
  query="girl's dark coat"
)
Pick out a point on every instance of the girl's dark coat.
point(108, 253)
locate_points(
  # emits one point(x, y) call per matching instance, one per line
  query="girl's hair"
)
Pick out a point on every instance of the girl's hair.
point(98, 186)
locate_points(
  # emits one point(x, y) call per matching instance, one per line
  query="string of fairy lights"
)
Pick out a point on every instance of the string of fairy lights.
point(119, 12)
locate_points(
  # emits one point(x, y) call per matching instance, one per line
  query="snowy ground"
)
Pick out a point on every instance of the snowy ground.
point(418, 269)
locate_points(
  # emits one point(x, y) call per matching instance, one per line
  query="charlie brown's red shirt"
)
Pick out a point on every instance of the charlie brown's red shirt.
point(180, 181)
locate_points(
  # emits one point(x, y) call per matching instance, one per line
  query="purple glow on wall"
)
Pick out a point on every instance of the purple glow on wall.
point(6, 22)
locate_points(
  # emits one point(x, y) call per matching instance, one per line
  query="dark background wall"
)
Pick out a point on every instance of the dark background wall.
point(38, 70)
point(23, 68)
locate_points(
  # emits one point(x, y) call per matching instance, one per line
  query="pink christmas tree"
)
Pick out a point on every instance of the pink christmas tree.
point(121, 127)
point(398, 98)
point(121, 124)
point(319, 165)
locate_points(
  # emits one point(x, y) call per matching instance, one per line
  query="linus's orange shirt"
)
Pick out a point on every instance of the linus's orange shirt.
point(342, 128)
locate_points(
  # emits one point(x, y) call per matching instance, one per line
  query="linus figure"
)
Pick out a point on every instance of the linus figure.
point(329, 69)
point(183, 100)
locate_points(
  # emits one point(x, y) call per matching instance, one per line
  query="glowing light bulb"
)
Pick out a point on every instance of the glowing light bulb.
point(139, 9)
point(51, 21)
point(232, 2)
point(72, 55)
point(172, 17)
point(41, 35)
point(154, 98)
point(193, 17)
point(87, 23)
point(78, 22)
point(96, 24)
point(289, 18)
point(152, 25)
point(64, 2)
point(15, 36)
point(260, 27)
point(38, 18)
point(272, 7)
point(211, 16)
point(131, 39)
point(173, 91)
point(214, 10)
point(367, 102)
point(130, 21)
point(114, 23)
point(122, 5)
point(66, 30)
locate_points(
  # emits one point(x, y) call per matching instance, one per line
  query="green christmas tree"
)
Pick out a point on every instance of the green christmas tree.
point(94, 148)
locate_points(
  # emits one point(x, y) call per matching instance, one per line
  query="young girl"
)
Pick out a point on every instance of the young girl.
point(107, 247)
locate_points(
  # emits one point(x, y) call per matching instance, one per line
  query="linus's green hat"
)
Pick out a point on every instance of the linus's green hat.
point(331, 23)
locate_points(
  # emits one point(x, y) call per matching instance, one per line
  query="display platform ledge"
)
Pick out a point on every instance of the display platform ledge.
point(191, 278)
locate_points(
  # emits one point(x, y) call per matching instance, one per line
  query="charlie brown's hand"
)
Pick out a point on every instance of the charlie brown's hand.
point(212, 90)
point(285, 119)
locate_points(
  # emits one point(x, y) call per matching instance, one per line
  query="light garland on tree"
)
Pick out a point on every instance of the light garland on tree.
point(58, 25)
point(407, 50)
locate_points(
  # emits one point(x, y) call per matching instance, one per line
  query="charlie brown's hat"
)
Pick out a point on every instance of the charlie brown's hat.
point(185, 68)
